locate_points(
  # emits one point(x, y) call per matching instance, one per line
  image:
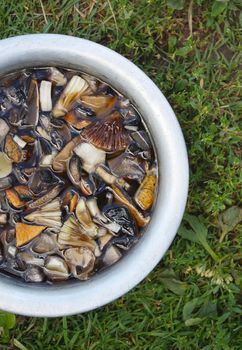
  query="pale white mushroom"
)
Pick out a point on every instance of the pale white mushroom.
point(45, 96)
point(57, 77)
point(111, 255)
point(3, 218)
point(56, 268)
point(90, 156)
point(4, 129)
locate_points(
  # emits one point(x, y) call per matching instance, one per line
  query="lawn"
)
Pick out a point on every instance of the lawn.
point(191, 51)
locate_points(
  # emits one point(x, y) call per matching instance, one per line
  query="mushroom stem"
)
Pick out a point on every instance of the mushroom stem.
point(45, 96)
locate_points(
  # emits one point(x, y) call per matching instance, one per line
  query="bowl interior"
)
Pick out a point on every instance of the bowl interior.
point(74, 297)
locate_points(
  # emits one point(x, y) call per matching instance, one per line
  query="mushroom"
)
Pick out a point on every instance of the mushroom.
point(13, 150)
point(142, 139)
point(45, 243)
point(5, 167)
point(144, 196)
point(14, 198)
point(70, 200)
point(3, 218)
point(25, 233)
point(4, 129)
point(81, 261)
point(75, 87)
point(111, 255)
point(29, 259)
point(123, 198)
point(72, 234)
point(126, 165)
point(74, 170)
point(121, 216)
point(45, 96)
point(46, 198)
point(101, 104)
point(34, 274)
point(56, 268)
point(52, 74)
point(32, 116)
point(60, 161)
point(107, 133)
point(76, 118)
point(48, 215)
point(85, 219)
point(6, 181)
point(42, 180)
point(90, 156)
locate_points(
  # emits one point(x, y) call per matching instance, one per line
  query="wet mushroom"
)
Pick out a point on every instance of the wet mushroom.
point(81, 262)
point(60, 161)
point(101, 104)
point(74, 170)
point(52, 74)
point(3, 218)
point(70, 200)
point(29, 259)
point(13, 150)
point(104, 240)
point(45, 243)
point(48, 153)
point(42, 180)
point(5, 182)
point(14, 199)
point(107, 133)
point(77, 119)
point(48, 197)
point(32, 117)
point(45, 96)
point(5, 166)
point(72, 234)
point(123, 198)
point(48, 215)
point(85, 219)
point(34, 274)
point(75, 87)
point(124, 242)
point(4, 129)
point(126, 165)
point(56, 268)
point(144, 196)
point(111, 255)
point(121, 216)
point(25, 233)
point(90, 156)
point(142, 139)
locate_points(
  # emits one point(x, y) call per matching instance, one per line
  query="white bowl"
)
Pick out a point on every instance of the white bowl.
point(76, 297)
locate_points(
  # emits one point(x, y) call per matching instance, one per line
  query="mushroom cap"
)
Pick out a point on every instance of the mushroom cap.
point(108, 133)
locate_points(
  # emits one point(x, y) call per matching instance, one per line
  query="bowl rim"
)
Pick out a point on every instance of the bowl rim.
point(108, 65)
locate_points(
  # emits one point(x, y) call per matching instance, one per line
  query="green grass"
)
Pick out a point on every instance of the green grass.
point(191, 300)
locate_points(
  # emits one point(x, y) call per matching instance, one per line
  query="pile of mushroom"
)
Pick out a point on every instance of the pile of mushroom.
point(78, 175)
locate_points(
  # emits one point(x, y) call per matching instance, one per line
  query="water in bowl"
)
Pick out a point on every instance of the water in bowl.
point(78, 175)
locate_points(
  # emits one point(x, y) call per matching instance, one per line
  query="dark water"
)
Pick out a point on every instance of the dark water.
point(14, 110)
